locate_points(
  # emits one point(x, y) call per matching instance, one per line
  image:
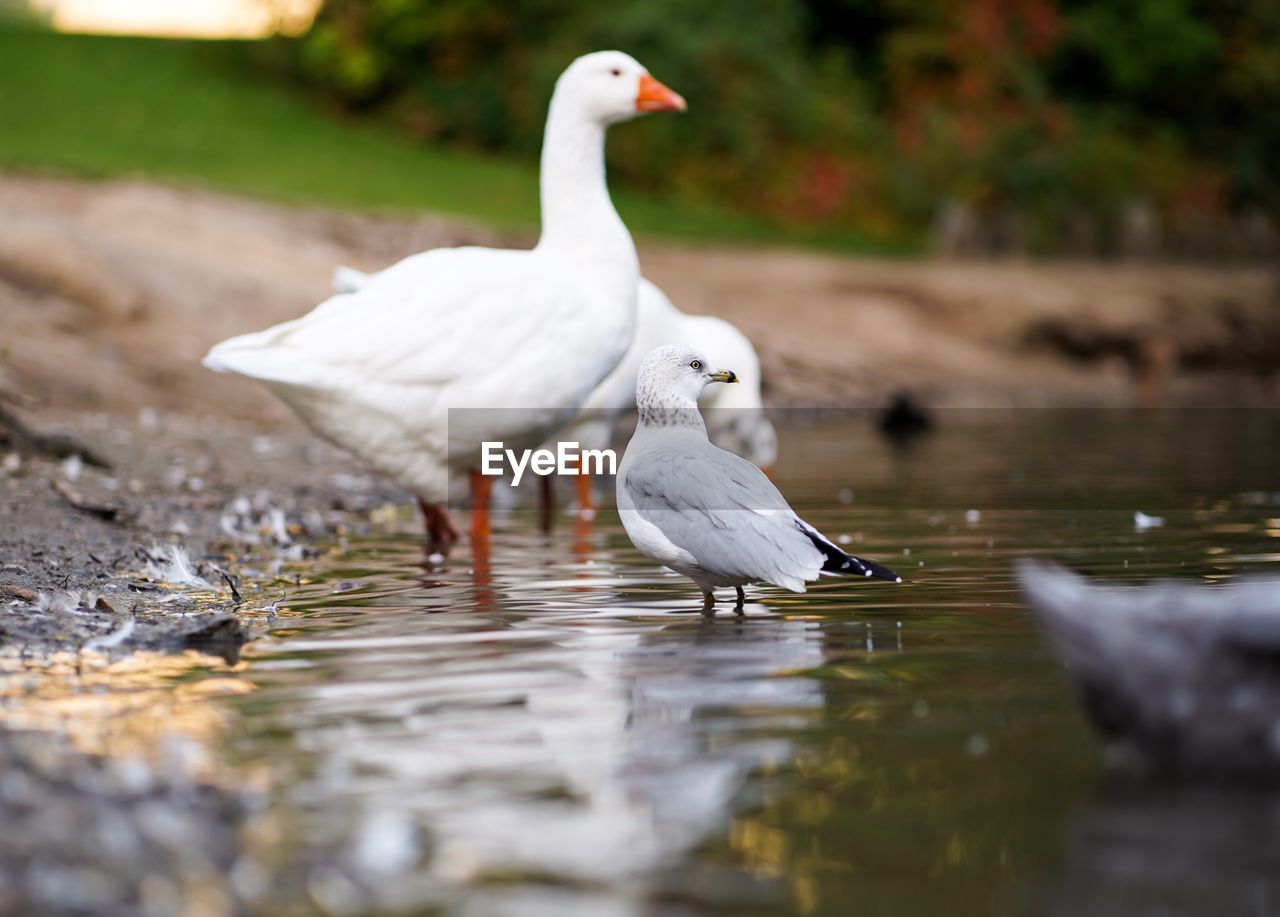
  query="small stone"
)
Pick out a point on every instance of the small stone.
point(17, 592)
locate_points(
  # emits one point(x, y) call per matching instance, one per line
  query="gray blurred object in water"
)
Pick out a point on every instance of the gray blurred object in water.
point(1182, 678)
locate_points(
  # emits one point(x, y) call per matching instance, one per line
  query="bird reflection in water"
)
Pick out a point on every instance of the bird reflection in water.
point(1130, 851)
point(605, 756)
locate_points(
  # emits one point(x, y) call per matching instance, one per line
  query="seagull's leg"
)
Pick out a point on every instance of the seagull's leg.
point(547, 510)
point(708, 602)
point(481, 490)
point(742, 600)
point(440, 531)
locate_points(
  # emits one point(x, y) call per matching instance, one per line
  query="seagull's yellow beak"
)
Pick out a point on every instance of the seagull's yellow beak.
point(723, 375)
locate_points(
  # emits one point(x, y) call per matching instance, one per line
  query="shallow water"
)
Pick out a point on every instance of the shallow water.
point(554, 729)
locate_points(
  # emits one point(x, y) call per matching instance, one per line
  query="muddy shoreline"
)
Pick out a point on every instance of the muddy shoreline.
point(89, 603)
point(176, 541)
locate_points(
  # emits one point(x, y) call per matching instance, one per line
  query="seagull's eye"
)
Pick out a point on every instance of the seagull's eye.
point(615, 72)
point(695, 365)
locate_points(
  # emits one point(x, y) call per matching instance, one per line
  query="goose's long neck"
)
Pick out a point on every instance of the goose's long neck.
point(577, 214)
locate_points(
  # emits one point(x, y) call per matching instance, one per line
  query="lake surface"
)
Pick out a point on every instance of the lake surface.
point(553, 728)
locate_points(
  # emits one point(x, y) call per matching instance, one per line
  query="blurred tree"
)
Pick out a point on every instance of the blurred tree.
point(1046, 116)
point(1206, 72)
point(765, 112)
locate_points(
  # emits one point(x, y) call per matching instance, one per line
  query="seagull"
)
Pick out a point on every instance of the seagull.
point(707, 513)
point(1182, 678)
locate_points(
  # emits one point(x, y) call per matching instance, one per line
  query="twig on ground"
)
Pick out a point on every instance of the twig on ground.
point(105, 511)
point(231, 584)
point(17, 435)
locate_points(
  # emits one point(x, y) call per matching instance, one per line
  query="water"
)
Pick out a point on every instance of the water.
point(552, 728)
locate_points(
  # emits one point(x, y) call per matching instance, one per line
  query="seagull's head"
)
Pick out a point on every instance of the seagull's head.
point(610, 86)
point(679, 372)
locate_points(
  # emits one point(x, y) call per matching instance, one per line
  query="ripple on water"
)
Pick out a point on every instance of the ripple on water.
point(551, 724)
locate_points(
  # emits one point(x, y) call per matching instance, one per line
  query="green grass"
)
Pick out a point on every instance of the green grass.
point(196, 112)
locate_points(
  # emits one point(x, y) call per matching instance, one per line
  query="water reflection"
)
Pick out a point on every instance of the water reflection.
point(163, 709)
point(563, 747)
point(550, 726)
point(1139, 850)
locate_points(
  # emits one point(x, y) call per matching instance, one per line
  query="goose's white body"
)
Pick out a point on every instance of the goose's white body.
point(463, 330)
point(734, 414)
point(426, 360)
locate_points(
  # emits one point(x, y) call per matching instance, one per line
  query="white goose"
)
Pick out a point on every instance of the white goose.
point(521, 337)
point(734, 414)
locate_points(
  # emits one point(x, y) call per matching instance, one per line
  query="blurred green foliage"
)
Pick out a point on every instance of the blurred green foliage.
point(853, 113)
point(200, 111)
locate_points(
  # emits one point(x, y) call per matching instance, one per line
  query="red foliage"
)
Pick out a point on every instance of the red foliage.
point(977, 76)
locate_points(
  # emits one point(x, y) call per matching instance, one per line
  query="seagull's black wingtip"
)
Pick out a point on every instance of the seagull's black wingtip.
point(837, 561)
point(873, 570)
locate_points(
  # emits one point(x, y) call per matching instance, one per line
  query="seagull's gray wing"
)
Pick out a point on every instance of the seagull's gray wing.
point(723, 511)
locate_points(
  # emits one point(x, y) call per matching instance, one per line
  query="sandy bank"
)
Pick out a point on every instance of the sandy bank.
point(110, 293)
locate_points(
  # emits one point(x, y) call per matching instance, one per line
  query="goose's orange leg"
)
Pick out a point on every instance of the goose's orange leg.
point(586, 496)
point(481, 491)
point(481, 573)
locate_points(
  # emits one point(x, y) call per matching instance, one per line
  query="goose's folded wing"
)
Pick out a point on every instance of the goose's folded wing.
point(723, 511)
point(425, 321)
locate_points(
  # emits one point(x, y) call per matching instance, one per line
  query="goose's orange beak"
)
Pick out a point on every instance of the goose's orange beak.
point(653, 96)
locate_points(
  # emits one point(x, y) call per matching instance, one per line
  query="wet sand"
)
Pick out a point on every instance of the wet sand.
point(111, 292)
point(239, 504)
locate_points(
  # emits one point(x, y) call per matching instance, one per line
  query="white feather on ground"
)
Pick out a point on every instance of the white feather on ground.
point(173, 567)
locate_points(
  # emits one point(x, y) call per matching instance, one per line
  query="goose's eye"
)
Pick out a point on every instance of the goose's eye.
point(696, 365)
point(615, 72)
